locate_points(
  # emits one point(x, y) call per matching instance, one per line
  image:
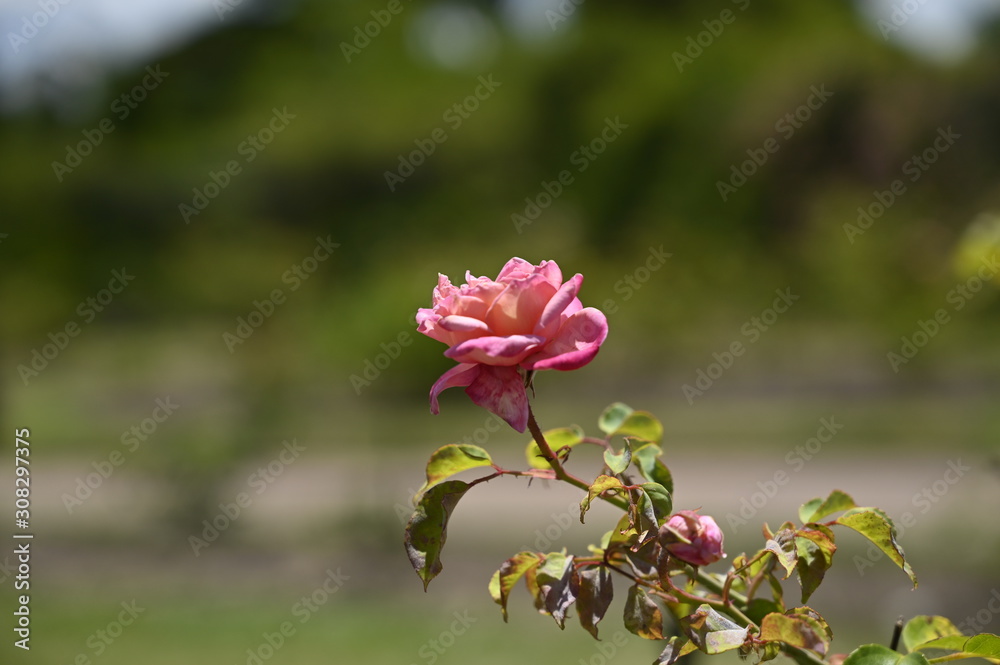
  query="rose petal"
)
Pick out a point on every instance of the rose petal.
point(456, 323)
point(577, 342)
point(563, 298)
point(550, 271)
point(494, 350)
point(459, 375)
point(516, 268)
point(517, 310)
point(427, 324)
point(501, 390)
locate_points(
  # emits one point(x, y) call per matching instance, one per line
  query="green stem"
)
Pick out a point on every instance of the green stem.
point(556, 464)
point(713, 584)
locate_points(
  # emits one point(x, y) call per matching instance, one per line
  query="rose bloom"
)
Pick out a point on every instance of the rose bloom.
point(525, 319)
point(704, 536)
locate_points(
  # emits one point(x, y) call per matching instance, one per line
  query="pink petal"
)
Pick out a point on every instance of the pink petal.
point(559, 302)
point(576, 343)
point(501, 390)
point(443, 289)
point(517, 310)
point(428, 324)
point(515, 268)
point(494, 350)
point(457, 376)
point(455, 323)
point(551, 272)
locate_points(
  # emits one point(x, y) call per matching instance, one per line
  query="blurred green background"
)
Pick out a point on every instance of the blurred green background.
point(210, 154)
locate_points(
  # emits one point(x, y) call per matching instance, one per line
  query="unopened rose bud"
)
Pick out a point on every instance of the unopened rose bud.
point(704, 538)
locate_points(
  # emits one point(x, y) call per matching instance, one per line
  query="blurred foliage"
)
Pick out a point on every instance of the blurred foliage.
point(324, 175)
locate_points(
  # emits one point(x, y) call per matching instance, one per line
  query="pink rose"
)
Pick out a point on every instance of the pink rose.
point(704, 538)
point(526, 319)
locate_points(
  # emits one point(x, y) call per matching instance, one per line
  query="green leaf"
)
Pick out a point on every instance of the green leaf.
point(815, 548)
point(984, 645)
point(782, 546)
point(646, 458)
point(642, 425)
point(613, 417)
point(677, 646)
point(662, 502)
point(558, 439)
point(817, 509)
point(644, 518)
point(593, 596)
point(770, 651)
point(924, 628)
point(600, 485)
point(554, 579)
point(510, 572)
point(798, 630)
point(876, 654)
point(821, 625)
point(951, 643)
point(876, 526)
point(428, 528)
point(448, 460)
point(531, 581)
point(761, 607)
point(617, 463)
point(642, 614)
point(624, 534)
point(712, 632)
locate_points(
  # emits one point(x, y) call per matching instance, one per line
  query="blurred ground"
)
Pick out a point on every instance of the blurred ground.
point(218, 219)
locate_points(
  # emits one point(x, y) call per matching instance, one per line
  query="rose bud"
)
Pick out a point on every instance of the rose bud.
point(703, 536)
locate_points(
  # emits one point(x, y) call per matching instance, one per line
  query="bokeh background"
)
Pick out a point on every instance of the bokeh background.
point(180, 331)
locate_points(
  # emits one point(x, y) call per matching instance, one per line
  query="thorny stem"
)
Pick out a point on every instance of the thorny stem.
point(725, 604)
point(556, 464)
point(727, 587)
